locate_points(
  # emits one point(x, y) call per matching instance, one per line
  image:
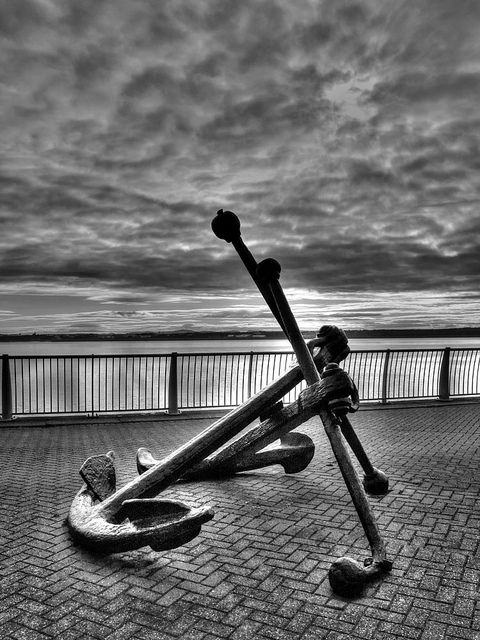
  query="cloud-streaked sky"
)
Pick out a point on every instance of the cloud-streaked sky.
point(345, 135)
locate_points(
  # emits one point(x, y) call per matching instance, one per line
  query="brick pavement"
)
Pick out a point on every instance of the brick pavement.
point(259, 568)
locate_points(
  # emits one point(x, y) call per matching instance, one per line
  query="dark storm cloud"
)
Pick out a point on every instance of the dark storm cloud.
point(345, 135)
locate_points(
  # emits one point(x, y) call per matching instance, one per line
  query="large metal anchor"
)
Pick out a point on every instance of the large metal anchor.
point(109, 520)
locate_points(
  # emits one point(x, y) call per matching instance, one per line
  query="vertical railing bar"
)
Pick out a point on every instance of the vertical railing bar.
point(433, 371)
point(64, 406)
point(249, 378)
point(23, 381)
point(457, 364)
point(444, 382)
point(429, 378)
point(112, 384)
point(132, 385)
point(198, 383)
point(392, 374)
point(164, 361)
point(207, 380)
point(43, 384)
point(155, 361)
point(219, 378)
point(7, 387)
point(71, 384)
point(402, 373)
point(462, 362)
point(385, 376)
point(29, 385)
point(193, 378)
point(422, 379)
point(105, 387)
point(471, 372)
point(410, 365)
point(397, 393)
point(173, 386)
point(426, 359)
point(140, 369)
point(92, 384)
point(15, 407)
point(230, 399)
point(127, 381)
point(121, 370)
point(186, 379)
point(378, 375)
point(59, 390)
point(200, 402)
point(78, 383)
point(404, 395)
point(152, 368)
point(371, 373)
point(477, 370)
point(143, 361)
point(212, 381)
point(36, 385)
point(465, 369)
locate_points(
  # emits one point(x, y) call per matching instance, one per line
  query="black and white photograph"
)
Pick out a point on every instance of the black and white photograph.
point(240, 319)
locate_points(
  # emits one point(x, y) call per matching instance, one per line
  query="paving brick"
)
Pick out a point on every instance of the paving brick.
point(259, 568)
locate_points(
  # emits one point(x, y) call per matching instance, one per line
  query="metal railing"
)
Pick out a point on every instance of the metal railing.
point(122, 383)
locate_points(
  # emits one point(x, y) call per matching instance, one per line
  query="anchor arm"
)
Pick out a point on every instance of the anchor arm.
point(240, 454)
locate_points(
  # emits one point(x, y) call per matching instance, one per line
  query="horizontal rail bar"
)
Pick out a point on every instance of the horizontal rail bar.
point(117, 383)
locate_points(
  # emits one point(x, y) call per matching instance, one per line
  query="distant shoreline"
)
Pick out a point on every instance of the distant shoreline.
point(466, 332)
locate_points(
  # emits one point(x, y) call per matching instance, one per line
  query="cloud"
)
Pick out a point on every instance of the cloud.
point(345, 135)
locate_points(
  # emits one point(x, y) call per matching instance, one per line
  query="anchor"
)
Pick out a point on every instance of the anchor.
point(111, 520)
point(108, 520)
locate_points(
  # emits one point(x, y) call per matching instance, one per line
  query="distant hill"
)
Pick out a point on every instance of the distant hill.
point(464, 332)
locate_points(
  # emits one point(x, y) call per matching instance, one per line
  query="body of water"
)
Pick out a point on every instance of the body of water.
point(127, 347)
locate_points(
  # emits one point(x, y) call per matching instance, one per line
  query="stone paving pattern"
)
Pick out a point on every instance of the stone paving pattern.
point(259, 568)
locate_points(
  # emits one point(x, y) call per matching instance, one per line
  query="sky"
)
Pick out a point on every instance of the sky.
point(345, 135)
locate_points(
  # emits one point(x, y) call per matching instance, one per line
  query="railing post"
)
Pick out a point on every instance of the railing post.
point(6, 389)
point(173, 386)
point(92, 386)
point(250, 371)
point(444, 379)
point(385, 377)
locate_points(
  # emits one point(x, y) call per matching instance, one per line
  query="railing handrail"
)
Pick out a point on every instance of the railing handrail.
point(105, 383)
point(224, 353)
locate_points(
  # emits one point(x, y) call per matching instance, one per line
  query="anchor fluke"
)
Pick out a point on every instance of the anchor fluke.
point(136, 523)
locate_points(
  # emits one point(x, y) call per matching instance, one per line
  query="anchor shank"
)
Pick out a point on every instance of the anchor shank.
point(209, 440)
point(177, 463)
